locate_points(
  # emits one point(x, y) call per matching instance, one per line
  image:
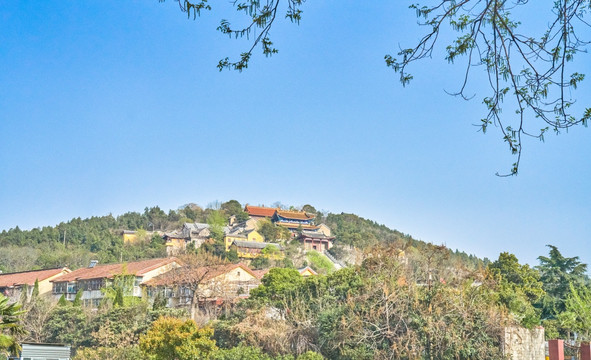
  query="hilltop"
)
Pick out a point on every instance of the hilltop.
point(75, 242)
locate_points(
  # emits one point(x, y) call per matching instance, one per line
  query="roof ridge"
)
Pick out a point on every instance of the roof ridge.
point(30, 271)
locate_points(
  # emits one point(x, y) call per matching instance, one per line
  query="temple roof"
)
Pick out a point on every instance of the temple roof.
point(296, 215)
point(259, 211)
point(254, 244)
point(315, 235)
point(296, 225)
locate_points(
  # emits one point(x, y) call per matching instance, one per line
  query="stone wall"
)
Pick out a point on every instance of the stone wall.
point(524, 344)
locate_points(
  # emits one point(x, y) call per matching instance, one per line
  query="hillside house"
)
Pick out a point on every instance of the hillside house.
point(11, 285)
point(196, 233)
point(215, 284)
point(238, 235)
point(96, 277)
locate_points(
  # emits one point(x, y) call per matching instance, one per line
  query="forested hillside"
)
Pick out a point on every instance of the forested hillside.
point(75, 242)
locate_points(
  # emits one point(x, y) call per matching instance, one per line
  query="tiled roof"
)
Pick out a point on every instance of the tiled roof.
point(254, 244)
point(295, 225)
point(259, 211)
point(260, 273)
point(137, 268)
point(315, 235)
point(28, 277)
point(296, 215)
point(307, 268)
point(204, 273)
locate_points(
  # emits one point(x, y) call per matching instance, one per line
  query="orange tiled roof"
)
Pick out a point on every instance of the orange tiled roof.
point(259, 211)
point(28, 277)
point(298, 215)
point(260, 273)
point(137, 268)
point(204, 273)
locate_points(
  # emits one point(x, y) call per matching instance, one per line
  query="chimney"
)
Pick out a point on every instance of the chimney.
point(93, 263)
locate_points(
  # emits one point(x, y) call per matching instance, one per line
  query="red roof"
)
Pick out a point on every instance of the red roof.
point(259, 211)
point(29, 277)
point(297, 215)
point(204, 273)
point(260, 273)
point(137, 268)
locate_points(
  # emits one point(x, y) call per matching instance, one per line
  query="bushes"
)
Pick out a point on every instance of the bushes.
point(320, 262)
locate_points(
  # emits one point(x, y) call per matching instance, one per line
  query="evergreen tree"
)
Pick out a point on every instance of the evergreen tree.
point(35, 289)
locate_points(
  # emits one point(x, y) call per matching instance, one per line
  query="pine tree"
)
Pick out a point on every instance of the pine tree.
point(62, 301)
point(35, 290)
point(78, 298)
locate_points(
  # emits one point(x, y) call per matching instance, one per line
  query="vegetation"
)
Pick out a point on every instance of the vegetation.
point(405, 299)
point(10, 326)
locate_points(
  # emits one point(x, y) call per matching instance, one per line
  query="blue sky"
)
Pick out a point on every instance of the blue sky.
point(110, 106)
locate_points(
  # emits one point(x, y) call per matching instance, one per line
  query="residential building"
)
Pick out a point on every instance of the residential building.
point(175, 242)
point(213, 284)
point(129, 236)
point(238, 235)
point(92, 279)
point(11, 285)
point(196, 233)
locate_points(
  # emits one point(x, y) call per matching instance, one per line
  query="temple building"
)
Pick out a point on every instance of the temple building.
point(294, 220)
point(259, 212)
point(315, 240)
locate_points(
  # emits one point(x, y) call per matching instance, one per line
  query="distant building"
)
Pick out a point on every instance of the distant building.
point(259, 212)
point(129, 236)
point(307, 271)
point(294, 220)
point(314, 240)
point(95, 277)
point(255, 249)
point(175, 242)
point(196, 233)
point(11, 285)
point(238, 235)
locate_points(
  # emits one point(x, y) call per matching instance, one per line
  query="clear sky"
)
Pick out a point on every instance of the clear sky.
point(112, 106)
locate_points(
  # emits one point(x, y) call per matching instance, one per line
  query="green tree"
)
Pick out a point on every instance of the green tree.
point(170, 338)
point(10, 326)
point(66, 325)
point(519, 288)
point(557, 273)
point(78, 299)
point(62, 301)
point(35, 293)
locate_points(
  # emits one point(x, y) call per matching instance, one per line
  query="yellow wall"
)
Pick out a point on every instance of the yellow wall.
point(255, 236)
point(45, 287)
point(129, 238)
point(252, 236)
